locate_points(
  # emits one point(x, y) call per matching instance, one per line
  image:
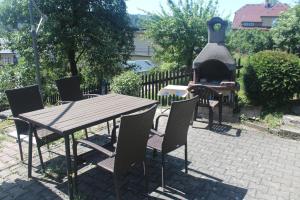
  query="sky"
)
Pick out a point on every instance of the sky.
point(226, 7)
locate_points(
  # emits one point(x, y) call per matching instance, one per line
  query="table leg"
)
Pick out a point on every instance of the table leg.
point(30, 152)
point(113, 133)
point(69, 168)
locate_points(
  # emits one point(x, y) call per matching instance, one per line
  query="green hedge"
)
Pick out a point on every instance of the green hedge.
point(272, 77)
point(128, 83)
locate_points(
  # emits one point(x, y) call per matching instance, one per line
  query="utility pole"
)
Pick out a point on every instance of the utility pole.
point(34, 46)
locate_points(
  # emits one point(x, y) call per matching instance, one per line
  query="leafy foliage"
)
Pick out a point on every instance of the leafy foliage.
point(286, 32)
point(96, 32)
point(79, 35)
point(22, 74)
point(128, 83)
point(180, 30)
point(13, 77)
point(272, 78)
point(249, 41)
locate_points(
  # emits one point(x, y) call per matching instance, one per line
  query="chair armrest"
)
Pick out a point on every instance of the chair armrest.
point(157, 119)
point(216, 93)
point(96, 147)
point(21, 120)
point(18, 119)
point(63, 102)
point(86, 96)
point(155, 132)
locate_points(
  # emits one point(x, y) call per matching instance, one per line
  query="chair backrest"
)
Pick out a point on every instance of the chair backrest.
point(132, 140)
point(204, 93)
point(24, 100)
point(69, 89)
point(178, 124)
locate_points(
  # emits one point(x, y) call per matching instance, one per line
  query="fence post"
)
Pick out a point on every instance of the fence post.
point(149, 86)
point(146, 88)
point(152, 85)
point(156, 85)
point(143, 85)
point(159, 86)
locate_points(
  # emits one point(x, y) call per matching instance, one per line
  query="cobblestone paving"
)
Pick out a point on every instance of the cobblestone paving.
point(226, 163)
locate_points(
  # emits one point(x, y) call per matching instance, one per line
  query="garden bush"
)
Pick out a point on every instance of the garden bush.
point(128, 83)
point(272, 77)
point(14, 76)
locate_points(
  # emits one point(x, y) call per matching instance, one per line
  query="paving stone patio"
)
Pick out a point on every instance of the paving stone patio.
point(227, 163)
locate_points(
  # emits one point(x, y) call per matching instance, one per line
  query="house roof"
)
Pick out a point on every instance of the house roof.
point(254, 12)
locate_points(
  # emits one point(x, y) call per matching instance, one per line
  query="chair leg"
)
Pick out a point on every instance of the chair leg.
point(41, 158)
point(195, 112)
point(39, 150)
point(163, 171)
point(86, 133)
point(146, 177)
point(108, 129)
point(75, 166)
point(48, 149)
point(210, 118)
point(185, 158)
point(220, 113)
point(20, 147)
point(117, 189)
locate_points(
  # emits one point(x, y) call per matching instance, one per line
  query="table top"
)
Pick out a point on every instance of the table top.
point(177, 90)
point(71, 117)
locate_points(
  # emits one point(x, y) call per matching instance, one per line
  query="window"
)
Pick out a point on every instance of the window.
point(6, 60)
point(248, 24)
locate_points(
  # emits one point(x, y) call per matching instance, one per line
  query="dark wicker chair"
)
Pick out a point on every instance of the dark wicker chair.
point(69, 90)
point(24, 100)
point(210, 98)
point(130, 148)
point(175, 134)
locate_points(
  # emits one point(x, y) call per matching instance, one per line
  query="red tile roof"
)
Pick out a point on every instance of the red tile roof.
point(254, 12)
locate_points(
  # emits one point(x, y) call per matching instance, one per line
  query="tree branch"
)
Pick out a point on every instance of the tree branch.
point(80, 54)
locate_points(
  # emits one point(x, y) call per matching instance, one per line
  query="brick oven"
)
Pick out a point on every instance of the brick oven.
point(214, 66)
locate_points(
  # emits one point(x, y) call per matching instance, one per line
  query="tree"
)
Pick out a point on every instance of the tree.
point(286, 32)
point(95, 32)
point(179, 30)
point(249, 41)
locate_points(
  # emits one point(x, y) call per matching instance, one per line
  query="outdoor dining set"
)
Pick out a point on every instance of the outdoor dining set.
point(134, 133)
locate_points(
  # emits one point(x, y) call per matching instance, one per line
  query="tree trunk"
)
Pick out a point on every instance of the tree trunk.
point(72, 62)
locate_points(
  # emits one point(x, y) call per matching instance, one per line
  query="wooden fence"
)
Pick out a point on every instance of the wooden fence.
point(151, 84)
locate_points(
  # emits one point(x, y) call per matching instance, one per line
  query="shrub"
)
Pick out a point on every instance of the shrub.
point(272, 77)
point(128, 83)
point(13, 76)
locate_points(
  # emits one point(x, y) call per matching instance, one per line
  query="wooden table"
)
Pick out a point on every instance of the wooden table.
point(69, 118)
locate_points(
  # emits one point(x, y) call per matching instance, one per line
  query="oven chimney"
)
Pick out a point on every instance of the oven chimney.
point(216, 30)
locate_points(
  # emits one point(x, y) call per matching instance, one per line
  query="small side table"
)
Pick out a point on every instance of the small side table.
point(177, 90)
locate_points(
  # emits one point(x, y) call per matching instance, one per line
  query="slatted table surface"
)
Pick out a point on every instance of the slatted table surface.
point(75, 116)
